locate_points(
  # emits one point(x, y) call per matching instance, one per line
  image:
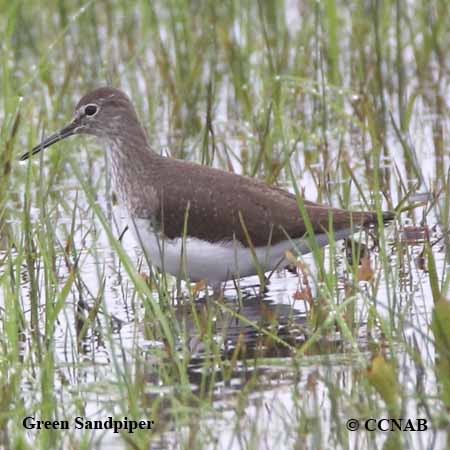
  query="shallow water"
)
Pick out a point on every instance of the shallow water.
point(280, 390)
point(258, 371)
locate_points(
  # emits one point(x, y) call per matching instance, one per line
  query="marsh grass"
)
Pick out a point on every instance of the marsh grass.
point(345, 103)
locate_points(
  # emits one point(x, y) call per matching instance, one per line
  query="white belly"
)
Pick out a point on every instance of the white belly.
point(195, 259)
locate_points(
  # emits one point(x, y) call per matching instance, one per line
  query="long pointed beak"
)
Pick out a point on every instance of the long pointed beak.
point(67, 131)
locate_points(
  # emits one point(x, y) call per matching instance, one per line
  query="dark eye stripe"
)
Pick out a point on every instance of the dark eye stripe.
point(90, 110)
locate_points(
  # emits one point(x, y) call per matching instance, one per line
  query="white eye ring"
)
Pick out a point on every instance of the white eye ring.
point(91, 109)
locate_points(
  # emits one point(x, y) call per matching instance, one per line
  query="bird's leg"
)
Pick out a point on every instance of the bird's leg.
point(218, 290)
point(263, 288)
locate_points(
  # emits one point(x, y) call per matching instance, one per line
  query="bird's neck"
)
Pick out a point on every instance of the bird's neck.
point(132, 164)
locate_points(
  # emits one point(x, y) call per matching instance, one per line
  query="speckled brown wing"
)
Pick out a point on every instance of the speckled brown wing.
point(215, 199)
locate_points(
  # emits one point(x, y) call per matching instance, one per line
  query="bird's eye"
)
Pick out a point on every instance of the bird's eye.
point(90, 110)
